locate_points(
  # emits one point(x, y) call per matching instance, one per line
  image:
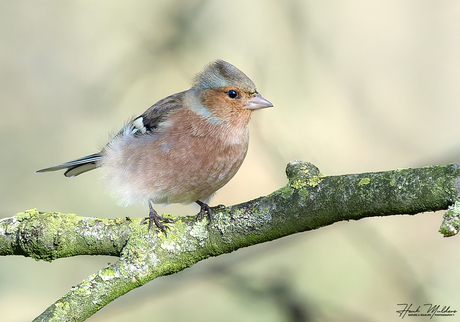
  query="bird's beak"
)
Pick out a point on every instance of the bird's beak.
point(258, 102)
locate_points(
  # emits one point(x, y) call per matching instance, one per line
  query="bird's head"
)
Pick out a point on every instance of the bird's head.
point(226, 91)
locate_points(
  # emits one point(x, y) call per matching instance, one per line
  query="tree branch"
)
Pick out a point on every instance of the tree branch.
point(309, 201)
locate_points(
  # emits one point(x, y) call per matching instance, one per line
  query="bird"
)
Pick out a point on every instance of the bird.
point(183, 148)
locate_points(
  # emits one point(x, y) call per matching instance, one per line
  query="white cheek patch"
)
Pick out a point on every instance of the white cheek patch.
point(206, 113)
point(197, 106)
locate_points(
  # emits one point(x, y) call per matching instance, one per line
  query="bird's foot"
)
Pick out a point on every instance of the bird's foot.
point(154, 217)
point(205, 209)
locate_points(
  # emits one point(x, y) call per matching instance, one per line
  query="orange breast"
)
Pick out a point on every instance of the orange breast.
point(189, 159)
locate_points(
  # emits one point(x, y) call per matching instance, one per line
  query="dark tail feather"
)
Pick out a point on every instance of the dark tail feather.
point(76, 167)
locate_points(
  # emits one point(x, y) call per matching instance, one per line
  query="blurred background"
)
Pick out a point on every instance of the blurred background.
point(357, 86)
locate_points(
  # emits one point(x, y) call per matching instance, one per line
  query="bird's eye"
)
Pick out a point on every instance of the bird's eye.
point(232, 93)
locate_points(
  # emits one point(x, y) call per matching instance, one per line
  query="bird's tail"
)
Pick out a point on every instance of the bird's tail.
point(76, 167)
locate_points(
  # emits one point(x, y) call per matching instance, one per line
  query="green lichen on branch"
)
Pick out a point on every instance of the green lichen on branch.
point(309, 200)
point(51, 235)
point(451, 223)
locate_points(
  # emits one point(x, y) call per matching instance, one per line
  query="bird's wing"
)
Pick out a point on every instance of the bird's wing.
point(146, 123)
point(151, 119)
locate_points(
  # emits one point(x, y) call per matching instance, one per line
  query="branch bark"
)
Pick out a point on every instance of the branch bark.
point(309, 201)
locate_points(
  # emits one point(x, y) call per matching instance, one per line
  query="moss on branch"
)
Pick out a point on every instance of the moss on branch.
point(309, 200)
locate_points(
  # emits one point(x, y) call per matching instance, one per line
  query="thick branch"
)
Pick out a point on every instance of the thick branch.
point(309, 201)
point(52, 235)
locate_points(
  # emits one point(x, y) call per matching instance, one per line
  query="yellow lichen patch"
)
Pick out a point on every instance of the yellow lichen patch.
point(107, 273)
point(364, 181)
point(298, 184)
point(314, 181)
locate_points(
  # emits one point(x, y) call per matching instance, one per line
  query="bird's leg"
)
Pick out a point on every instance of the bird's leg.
point(154, 217)
point(204, 209)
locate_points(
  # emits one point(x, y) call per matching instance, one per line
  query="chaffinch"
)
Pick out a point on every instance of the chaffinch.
point(183, 148)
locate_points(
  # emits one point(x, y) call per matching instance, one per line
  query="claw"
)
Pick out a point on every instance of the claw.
point(204, 209)
point(154, 217)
